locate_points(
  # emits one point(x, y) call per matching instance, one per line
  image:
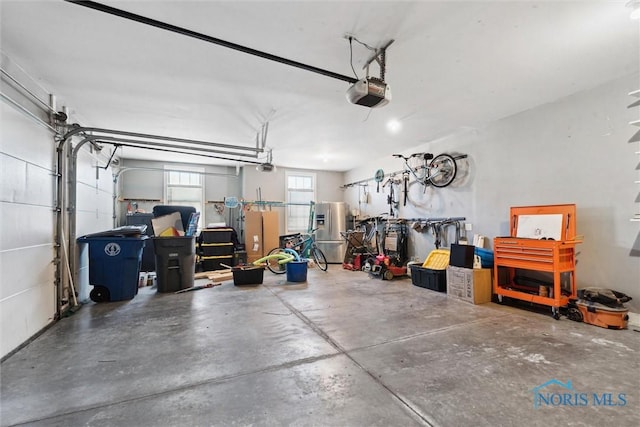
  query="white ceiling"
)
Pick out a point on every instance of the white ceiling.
point(454, 65)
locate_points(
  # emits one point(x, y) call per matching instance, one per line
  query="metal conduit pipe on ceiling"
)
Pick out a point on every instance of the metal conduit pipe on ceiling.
point(26, 91)
point(152, 148)
point(124, 169)
point(125, 142)
point(92, 131)
point(24, 110)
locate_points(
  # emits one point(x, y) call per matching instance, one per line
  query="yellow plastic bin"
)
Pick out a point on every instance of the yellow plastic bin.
point(433, 273)
point(438, 259)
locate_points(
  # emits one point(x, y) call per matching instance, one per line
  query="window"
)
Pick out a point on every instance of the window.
point(184, 186)
point(301, 191)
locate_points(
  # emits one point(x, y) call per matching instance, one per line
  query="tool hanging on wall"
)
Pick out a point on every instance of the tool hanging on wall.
point(405, 180)
point(391, 201)
point(364, 197)
point(378, 177)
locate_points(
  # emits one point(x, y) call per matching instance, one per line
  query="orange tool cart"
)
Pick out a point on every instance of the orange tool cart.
point(537, 262)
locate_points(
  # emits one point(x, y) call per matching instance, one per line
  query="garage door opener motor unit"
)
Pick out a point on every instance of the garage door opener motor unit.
point(370, 92)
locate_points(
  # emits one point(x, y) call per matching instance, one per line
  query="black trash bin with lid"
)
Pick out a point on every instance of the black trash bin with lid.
point(175, 262)
point(114, 262)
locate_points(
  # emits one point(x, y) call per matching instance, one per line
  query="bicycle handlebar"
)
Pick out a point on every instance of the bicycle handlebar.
point(425, 156)
point(300, 237)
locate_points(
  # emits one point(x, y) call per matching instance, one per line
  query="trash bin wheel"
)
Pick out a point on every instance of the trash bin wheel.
point(99, 294)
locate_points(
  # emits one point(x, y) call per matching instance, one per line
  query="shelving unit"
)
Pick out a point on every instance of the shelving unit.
point(636, 138)
point(515, 256)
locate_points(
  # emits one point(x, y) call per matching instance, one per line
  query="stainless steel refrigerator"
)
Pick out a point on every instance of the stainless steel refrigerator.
point(331, 218)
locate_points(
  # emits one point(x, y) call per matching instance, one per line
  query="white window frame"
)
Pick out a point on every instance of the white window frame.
point(312, 192)
point(192, 170)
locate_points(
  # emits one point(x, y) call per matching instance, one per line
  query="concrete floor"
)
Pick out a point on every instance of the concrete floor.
point(342, 349)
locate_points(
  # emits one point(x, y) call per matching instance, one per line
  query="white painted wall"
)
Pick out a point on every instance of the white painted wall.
point(574, 150)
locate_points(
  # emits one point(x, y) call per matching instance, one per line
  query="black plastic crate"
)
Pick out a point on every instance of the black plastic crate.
point(248, 276)
point(216, 235)
point(216, 249)
point(436, 280)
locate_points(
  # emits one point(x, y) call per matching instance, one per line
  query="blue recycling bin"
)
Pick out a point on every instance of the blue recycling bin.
point(114, 264)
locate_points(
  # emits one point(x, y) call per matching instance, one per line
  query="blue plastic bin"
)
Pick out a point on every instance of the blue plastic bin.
point(296, 271)
point(486, 257)
point(114, 266)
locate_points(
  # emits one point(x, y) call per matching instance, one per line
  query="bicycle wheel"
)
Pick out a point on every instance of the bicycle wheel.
point(319, 258)
point(442, 170)
point(272, 263)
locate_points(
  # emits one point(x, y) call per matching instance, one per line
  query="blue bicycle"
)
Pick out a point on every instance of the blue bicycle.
point(304, 244)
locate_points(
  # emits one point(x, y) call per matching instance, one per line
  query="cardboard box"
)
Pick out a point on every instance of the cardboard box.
point(168, 225)
point(469, 284)
point(261, 233)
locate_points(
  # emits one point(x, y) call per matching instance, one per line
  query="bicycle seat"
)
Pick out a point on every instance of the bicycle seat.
point(428, 156)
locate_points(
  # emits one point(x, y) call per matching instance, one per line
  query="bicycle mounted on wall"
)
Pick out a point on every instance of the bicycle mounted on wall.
point(427, 169)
